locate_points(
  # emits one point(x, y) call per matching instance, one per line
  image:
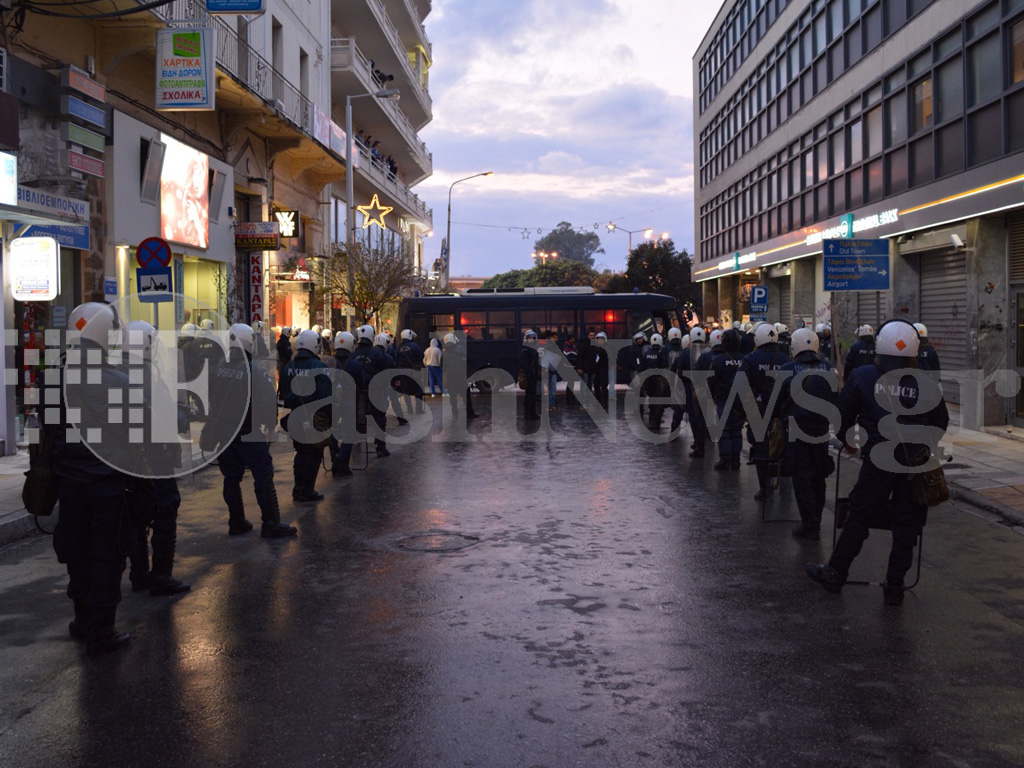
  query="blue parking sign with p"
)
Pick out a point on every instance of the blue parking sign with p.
point(759, 302)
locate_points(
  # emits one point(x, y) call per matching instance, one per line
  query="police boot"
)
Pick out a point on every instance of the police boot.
point(272, 528)
point(237, 524)
point(892, 591)
point(102, 637)
point(161, 582)
point(79, 626)
point(831, 579)
point(305, 481)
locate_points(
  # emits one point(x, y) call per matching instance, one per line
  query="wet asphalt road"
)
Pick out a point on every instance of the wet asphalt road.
point(579, 602)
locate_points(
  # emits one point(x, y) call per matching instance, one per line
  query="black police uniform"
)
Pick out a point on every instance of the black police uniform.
point(862, 352)
point(365, 362)
point(864, 401)
point(699, 421)
point(756, 367)
point(284, 355)
point(529, 365)
point(90, 537)
point(627, 362)
point(725, 367)
point(927, 357)
point(410, 358)
point(807, 463)
point(682, 368)
point(670, 360)
point(452, 360)
point(747, 344)
point(340, 451)
point(594, 360)
point(308, 454)
point(248, 447)
point(655, 386)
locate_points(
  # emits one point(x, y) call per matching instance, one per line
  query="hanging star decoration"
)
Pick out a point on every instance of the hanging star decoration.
point(384, 210)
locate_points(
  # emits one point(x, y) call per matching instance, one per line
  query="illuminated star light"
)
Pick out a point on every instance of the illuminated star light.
point(379, 218)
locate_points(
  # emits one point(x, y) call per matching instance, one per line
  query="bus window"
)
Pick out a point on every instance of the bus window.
point(640, 320)
point(441, 324)
point(611, 321)
point(561, 321)
point(417, 322)
point(502, 325)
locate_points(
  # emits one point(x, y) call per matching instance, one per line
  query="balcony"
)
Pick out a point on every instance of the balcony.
point(378, 175)
point(351, 74)
point(368, 21)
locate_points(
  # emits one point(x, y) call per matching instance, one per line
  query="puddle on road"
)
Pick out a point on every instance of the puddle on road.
point(439, 541)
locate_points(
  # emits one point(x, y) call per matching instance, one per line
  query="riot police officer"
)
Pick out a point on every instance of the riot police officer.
point(757, 367)
point(807, 457)
point(308, 450)
point(725, 366)
point(655, 386)
point(142, 344)
point(452, 360)
point(91, 492)
point(702, 393)
point(341, 452)
point(529, 370)
point(883, 484)
point(670, 358)
point(862, 352)
point(410, 358)
point(927, 357)
point(364, 363)
point(596, 361)
point(685, 365)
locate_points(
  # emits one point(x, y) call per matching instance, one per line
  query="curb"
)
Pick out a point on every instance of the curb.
point(975, 499)
point(17, 526)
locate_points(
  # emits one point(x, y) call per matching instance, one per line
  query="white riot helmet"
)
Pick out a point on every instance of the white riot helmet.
point(206, 325)
point(242, 336)
point(803, 339)
point(765, 333)
point(286, 330)
point(309, 340)
point(296, 330)
point(781, 328)
point(748, 327)
point(601, 337)
point(365, 332)
point(697, 336)
point(258, 326)
point(380, 340)
point(639, 335)
point(451, 338)
point(530, 335)
point(716, 338)
point(139, 338)
point(344, 340)
point(686, 341)
point(736, 325)
point(657, 340)
point(897, 338)
point(317, 329)
point(819, 328)
point(866, 330)
point(673, 334)
point(189, 330)
point(326, 335)
point(96, 322)
point(408, 335)
point(922, 330)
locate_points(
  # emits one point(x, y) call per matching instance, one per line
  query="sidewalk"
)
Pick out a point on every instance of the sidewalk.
point(986, 471)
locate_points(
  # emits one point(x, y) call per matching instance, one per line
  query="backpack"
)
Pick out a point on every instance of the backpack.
point(364, 369)
point(406, 359)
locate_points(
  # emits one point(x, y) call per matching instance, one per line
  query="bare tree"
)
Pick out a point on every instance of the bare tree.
point(379, 279)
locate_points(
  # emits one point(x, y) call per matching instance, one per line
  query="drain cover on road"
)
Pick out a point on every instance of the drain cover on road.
point(436, 542)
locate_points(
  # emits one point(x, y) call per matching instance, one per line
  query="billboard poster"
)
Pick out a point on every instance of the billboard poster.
point(35, 269)
point(185, 61)
point(184, 194)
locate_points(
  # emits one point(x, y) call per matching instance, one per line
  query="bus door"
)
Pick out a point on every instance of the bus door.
point(419, 323)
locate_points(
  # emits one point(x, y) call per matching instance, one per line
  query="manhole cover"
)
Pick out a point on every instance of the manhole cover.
point(436, 542)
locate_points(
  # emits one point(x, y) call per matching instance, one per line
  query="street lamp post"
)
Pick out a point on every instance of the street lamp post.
point(448, 237)
point(544, 256)
point(648, 234)
point(350, 216)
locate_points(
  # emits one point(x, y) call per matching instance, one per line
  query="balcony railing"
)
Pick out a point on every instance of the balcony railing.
point(345, 54)
point(378, 172)
point(396, 42)
point(236, 57)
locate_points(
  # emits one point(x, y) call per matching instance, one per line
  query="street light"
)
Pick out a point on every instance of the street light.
point(448, 239)
point(648, 234)
point(350, 217)
point(544, 256)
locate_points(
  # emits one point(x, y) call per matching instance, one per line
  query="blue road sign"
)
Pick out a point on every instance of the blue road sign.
point(153, 251)
point(236, 6)
point(856, 265)
point(154, 284)
point(759, 303)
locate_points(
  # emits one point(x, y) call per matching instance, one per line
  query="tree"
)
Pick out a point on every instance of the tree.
point(657, 267)
point(380, 279)
point(554, 273)
point(570, 245)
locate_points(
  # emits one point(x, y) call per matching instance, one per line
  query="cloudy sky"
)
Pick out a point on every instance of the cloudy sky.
point(582, 108)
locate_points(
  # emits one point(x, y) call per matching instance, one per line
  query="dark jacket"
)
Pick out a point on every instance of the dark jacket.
point(305, 364)
point(861, 353)
point(927, 357)
point(810, 421)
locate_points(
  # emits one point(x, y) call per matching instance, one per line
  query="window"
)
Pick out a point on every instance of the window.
point(821, 160)
point(949, 90)
point(951, 148)
point(838, 152)
point(611, 321)
point(1017, 54)
point(896, 170)
point(873, 28)
point(985, 134)
point(442, 323)
point(983, 66)
point(983, 21)
point(876, 189)
point(808, 170)
point(922, 168)
point(874, 124)
point(896, 119)
point(856, 178)
point(501, 325)
point(951, 43)
point(474, 324)
point(855, 137)
point(924, 107)
point(896, 13)
point(561, 321)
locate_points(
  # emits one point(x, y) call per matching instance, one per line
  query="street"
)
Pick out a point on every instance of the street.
point(569, 602)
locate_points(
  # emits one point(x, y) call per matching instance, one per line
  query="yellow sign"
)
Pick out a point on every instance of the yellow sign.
point(379, 218)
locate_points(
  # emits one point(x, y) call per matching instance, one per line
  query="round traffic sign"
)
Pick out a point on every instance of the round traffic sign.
point(152, 252)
